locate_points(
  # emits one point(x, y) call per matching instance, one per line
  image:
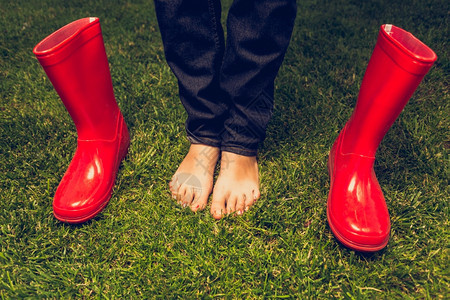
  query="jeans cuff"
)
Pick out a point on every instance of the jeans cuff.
point(201, 140)
point(239, 151)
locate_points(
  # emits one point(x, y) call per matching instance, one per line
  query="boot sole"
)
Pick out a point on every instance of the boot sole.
point(352, 245)
point(84, 218)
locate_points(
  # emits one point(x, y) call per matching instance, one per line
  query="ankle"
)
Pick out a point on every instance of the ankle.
point(204, 150)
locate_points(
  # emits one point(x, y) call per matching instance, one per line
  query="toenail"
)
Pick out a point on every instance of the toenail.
point(247, 208)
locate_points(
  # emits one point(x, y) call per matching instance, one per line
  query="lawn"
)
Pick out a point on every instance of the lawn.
point(143, 245)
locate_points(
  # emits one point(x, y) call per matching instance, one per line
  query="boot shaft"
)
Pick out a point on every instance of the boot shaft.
point(75, 61)
point(397, 66)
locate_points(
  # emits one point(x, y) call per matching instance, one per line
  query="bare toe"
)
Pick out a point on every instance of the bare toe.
point(231, 204)
point(200, 200)
point(189, 196)
point(240, 204)
point(218, 206)
point(181, 195)
point(248, 201)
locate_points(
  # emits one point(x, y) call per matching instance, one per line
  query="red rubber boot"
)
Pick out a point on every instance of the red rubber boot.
point(356, 210)
point(75, 61)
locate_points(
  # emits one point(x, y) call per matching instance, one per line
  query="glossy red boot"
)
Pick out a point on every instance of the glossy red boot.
point(75, 61)
point(356, 210)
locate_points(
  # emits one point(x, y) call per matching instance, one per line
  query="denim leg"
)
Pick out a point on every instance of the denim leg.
point(193, 42)
point(258, 34)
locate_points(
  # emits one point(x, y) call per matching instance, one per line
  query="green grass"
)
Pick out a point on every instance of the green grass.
point(144, 245)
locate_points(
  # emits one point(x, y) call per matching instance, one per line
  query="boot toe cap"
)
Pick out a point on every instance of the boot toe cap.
point(367, 235)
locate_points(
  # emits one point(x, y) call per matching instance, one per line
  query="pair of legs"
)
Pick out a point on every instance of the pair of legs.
point(227, 90)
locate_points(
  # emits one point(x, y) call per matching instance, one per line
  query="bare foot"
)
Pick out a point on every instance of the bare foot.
point(192, 183)
point(237, 187)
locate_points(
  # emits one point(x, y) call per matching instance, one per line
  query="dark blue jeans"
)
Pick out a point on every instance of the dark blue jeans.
point(227, 88)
